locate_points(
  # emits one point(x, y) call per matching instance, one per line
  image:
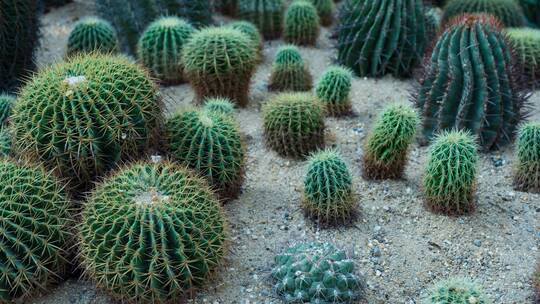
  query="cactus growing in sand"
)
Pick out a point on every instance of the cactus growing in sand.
point(456, 291)
point(289, 72)
point(333, 90)
point(6, 104)
point(267, 15)
point(302, 23)
point(527, 168)
point(507, 11)
point(92, 34)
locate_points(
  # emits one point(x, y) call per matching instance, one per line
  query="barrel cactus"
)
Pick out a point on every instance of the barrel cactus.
point(527, 168)
point(267, 15)
point(92, 34)
point(302, 24)
point(219, 62)
point(450, 174)
point(253, 34)
point(333, 90)
point(456, 291)
point(5, 142)
point(197, 12)
point(325, 9)
point(294, 124)
point(6, 104)
point(526, 45)
point(171, 237)
point(387, 146)
point(160, 48)
point(211, 144)
point(317, 273)
point(82, 117)
point(34, 230)
point(219, 105)
point(381, 37)
point(507, 11)
point(289, 72)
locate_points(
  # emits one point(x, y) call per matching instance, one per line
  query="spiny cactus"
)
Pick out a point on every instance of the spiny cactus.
point(92, 34)
point(211, 144)
point(527, 168)
point(219, 105)
point(333, 90)
point(450, 174)
point(507, 11)
point(325, 9)
point(267, 15)
point(227, 7)
point(253, 34)
point(6, 104)
point(5, 142)
point(160, 48)
point(152, 233)
point(294, 124)
point(316, 273)
point(381, 37)
point(526, 46)
point(81, 117)
point(19, 31)
point(220, 61)
point(387, 145)
point(289, 72)
point(34, 231)
point(302, 24)
point(456, 291)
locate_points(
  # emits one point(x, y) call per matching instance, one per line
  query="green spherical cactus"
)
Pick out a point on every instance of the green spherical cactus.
point(325, 9)
point(212, 145)
point(527, 168)
point(160, 48)
point(333, 90)
point(219, 105)
point(92, 34)
point(317, 273)
point(526, 46)
point(267, 15)
point(387, 146)
point(294, 124)
point(82, 117)
point(328, 194)
point(220, 61)
point(253, 34)
point(289, 72)
point(34, 231)
point(507, 11)
point(302, 23)
point(375, 38)
point(6, 104)
point(450, 174)
point(5, 142)
point(152, 233)
point(456, 291)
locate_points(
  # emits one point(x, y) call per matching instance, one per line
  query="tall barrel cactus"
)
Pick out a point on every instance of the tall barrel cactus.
point(197, 12)
point(302, 23)
point(222, 106)
point(507, 11)
point(267, 15)
point(527, 168)
point(152, 233)
point(381, 37)
point(92, 34)
point(526, 45)
point(455, 291)
point(333, 90)
point(289, 72)
point(82, 117)
point(468, 83)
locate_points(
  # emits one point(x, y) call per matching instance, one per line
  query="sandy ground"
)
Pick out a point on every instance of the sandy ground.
point(399, 246)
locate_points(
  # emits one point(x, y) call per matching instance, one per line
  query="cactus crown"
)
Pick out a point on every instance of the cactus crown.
point(6, 104)
point(219, 105)
point(301, 23)
point(288, 55)
point(92, 34)
point(456, 290)
point(527, 169)
point(507, 11)
point(250, 30)
point(333, 89)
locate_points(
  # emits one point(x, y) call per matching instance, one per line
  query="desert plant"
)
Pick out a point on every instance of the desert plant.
point(294, 124)
point(219, 105)
point(92, 34)
point(527, 168)
point(6, 104)
point(219, 61)
point(317, 273)
point(158, 227)
point(333, 90)
point(211, 144)
point(387, 146)
point(302, 24)
point(34, 230)
point(267, 15)
point(325, 9)
point(5, 142)
point(526, 46)
point(289, 72)
point(507, 11)
point(81, 117)
point(253, 34)
point(160, 48)
point(227, 7)
point(450, 173)
point(456, 291)
point(381, 37)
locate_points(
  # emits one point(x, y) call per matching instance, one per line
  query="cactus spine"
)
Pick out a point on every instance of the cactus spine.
point(289, 72)
point(267, 15)
point(333, 90)
point(302, 24)
point(219, 105)
point(92, 34)
point(527, 168)
point(526, 47)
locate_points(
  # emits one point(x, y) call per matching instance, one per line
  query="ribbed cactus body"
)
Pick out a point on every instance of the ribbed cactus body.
point(250, 30)
point(507, 11)
point(302, 23)
point(325, 9)
point(5, 142)
point(527, 168)
point(455, 291)
point(6, 104)
point(333, 90)
point(526, 46)
point(217, 105)
point(267, 15)
point(92, 34)
point(289, 72)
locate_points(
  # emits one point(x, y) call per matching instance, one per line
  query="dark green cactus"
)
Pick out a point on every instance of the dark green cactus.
point(5, 142)
point(456, 291)
point(333, 90)
point(267, 15)
point(527, 168)
point(317, 273)
point(507, 11)
point(294, 124)
point(219, 105)
point(381, 37)
point(152, 233)
point(197, 12)
point(92, 34)
point(6, 104)
point(160, 48)
point(34, 231)
point(325, 9)
point(450, 174)
point(526, 46)
point(210, 144)
point(468, 83)
point(289, 72)
point(253, 34)
point(302, 24)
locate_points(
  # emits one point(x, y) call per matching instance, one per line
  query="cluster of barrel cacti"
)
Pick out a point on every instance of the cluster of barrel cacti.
point(289, 71)
point(92, 34)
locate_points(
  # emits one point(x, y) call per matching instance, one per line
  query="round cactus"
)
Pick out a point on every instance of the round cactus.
point(302, 24)
point(211, 144)
point(317, 273)
point(5, 142)
point(450, 175)
point(267, 15)
point(219, 61)
point(253, 34)
point(456, 291)
point(325, 9)
point(507, 11)
point(294, 124)
point(34, 230)
point(6, 104)
point(289, 72)
point(219, 106)
point(82, 117)
point(526, 45)
point(388, 143)
point(152, 233)
point(333, 90)
point(92, 34)
point(527, 170)
point(160, 48)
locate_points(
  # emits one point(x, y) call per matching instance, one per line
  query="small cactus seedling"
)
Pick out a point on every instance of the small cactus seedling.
point(456, 291)
point(527, 169)
point(6, 104)
point(289, 72)
point(333, 90)
point(325, 9)
point(267, 15)
point(294, 124)
point(450, 174)
point(219, 105)
point(92, 34)
point(253, 34)
point(526, 45)
point(507, 11)
point(387, 146)
point(302, 24)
